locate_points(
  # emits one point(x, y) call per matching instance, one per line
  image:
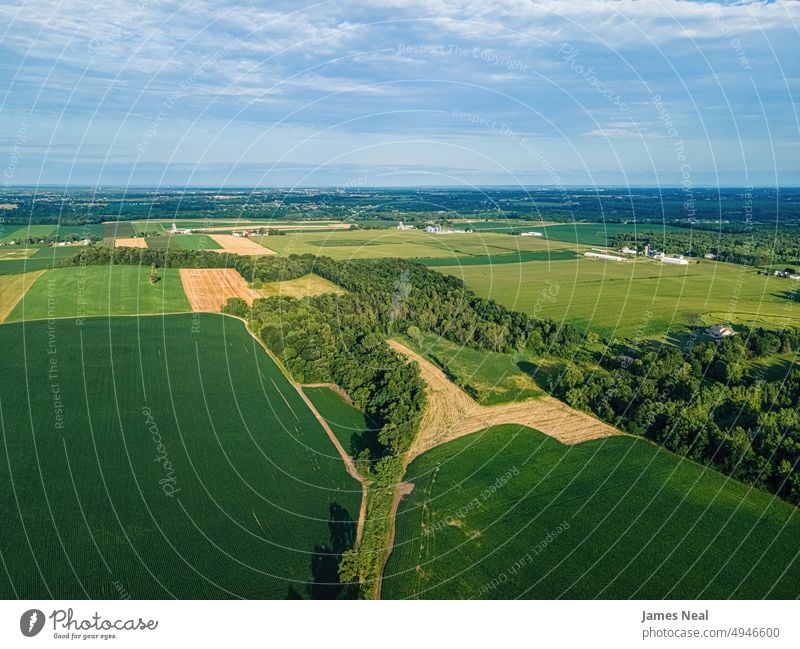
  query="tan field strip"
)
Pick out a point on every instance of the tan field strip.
point(239, 245)
point(451, 413)
point(131, 242)
point(13, 288)
point(209, 288)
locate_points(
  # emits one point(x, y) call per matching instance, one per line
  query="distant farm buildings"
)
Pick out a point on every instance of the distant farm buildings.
point(602, 255)
point(720, 331)
point(437, 229)
point(176, 230)
point(531, 234)
point(680, 261)
point(402, 226)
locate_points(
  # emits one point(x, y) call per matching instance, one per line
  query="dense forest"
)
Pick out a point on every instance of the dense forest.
point(752, 247)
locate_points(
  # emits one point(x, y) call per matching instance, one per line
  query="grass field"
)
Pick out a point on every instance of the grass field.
point(183, 242)
point(367, 244)
point(114, 229)
point(347, 422)
point(16, 252)
point(642, 298)
point(597, 234)
point(488, 377)
point(305, 286)
point(101, 290)
point(12, 288)
point(24, 232)
point(261, 501)
point(511, 513)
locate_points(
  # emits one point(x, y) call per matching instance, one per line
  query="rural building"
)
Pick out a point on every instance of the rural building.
point(176, 230)
point(720, 331)
point(531, 234)
point(628, 251)
point(601, 255)
point(680, 261)
point(401, 226)
point(710, 255)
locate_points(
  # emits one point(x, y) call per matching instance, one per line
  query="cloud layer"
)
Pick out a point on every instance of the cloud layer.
point(279, 93)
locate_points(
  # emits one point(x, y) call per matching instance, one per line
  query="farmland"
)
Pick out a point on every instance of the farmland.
point(371, 244)
point(183, 242)
point(641, 298)
point(12, 288)
point(347, 422)
point(305, 286)
point(177, 462)
point(100, 290)
point(511, 513)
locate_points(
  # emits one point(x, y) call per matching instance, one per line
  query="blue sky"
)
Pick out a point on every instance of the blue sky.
point(400, 92)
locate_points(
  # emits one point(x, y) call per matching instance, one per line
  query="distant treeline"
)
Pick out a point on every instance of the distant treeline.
point(752, 248)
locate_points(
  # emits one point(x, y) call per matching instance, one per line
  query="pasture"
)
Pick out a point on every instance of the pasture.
point(411, 244)
point(641, 298)
point(488, 377)
point(511, 513)
point(12, 288)
point(300, 287)
point(168, 457)
point(35, 231)
point(182, 242)
point(347, 422)
point(101, 290)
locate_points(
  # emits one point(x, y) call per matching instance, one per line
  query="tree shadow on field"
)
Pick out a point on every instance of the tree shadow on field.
point(325, 560)
point(545, 375)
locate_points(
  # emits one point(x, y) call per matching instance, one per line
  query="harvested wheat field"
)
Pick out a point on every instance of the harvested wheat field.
point(12, 288)
point(239, 245)
point(209, 288)
point(130, 242)
point(300, 287)
point(451, 413)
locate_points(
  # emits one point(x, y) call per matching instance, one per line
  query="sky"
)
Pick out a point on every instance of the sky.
point(400, 93)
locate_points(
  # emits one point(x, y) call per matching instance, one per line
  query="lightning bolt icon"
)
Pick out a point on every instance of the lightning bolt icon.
point(32, 620)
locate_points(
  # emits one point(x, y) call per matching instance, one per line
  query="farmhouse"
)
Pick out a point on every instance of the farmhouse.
point(531, 234)
point(600, 255)
point(720, 331)
point(402, 226)
point(628, 251)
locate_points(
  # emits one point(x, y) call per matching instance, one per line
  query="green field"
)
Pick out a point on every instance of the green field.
point(183, 242)
point(512, 513)
point(641, 298)
point(117, 229)
point(261, 504)
point(29, 231)
point(597, 234)
point(101, 290)
point(370, 244)
point(347, 422)
point(488, 377)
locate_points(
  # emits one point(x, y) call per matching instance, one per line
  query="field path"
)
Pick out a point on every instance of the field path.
point(13, 288)
point(209, 288)
point(451, 413)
